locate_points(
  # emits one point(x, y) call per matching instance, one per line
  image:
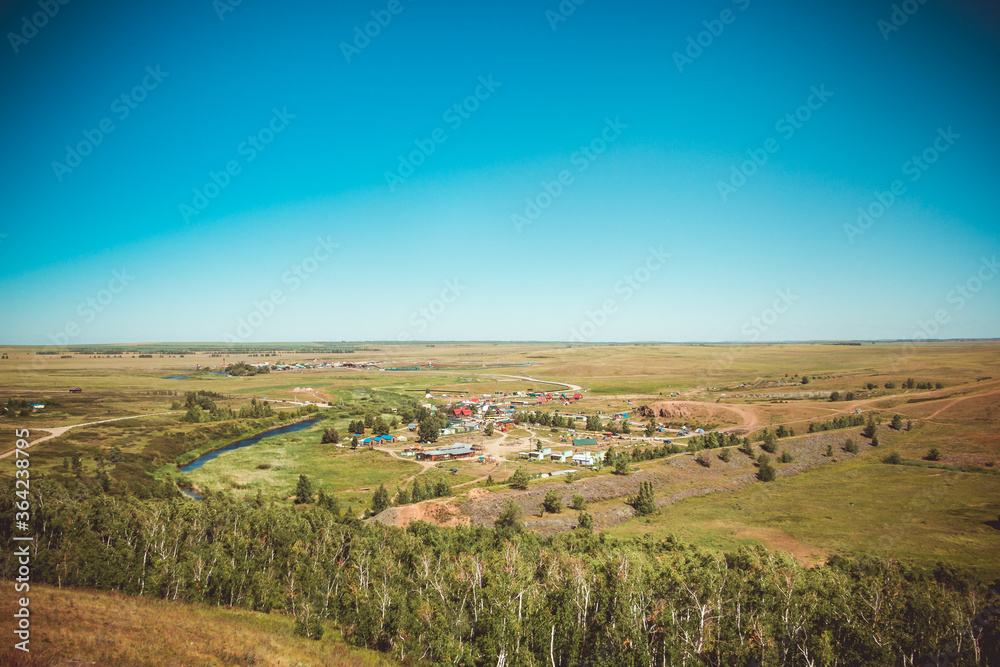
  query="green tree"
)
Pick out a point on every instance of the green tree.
point(579, 502)
point(644, 503)
point(897, 423)
point(933, 454)
point(354, 442)
point(519, 480)
point(786, 457)
point(770, 443)
point(626, 429)
point(331, 435)
point(417, 493)
point(77, 465)
point(585, 522)
point(894, 458)
point(380, 501)
point(765, 471)
point(829, 450)
point(650, 429)
point(805, 379)
point(488, 431)
point(552, 503)
point(509, 521)
point(429, 429)
point(726, 455)
point(303, 490)
point(850, 446)
point(621, 464)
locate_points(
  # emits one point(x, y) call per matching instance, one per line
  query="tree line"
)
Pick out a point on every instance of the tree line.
point(478, 596)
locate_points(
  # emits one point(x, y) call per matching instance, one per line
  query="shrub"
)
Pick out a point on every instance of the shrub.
point(726, 455)
point(704, 459)
point(579, 502)
point(894, 458)
point(767, 473)
point(851, 446)
point(585, 522)
point(552, 503)
point(933, 454)
point(519, 480)
point(829, 450)
point(786, 457)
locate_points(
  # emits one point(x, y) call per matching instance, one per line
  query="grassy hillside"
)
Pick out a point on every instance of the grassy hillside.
point(74, 627)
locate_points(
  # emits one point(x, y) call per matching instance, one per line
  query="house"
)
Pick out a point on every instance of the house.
point(37, 406)
point(577, 397)
point(585, 442)
point(583, 459)
point(75, 390)
point(562, 457)
point(456, 451)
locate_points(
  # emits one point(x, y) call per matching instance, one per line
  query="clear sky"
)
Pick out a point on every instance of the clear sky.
point(498, 171)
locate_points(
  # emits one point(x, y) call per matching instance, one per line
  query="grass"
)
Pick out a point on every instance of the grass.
point(859, 506)
point(71, 626)
point(331, 468)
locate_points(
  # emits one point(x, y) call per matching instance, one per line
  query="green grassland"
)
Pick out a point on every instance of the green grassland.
point(848, 506)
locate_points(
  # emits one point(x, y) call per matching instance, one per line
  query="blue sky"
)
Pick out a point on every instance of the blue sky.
point(456, 251)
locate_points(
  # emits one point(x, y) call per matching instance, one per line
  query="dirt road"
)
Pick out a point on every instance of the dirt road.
point(59, 430)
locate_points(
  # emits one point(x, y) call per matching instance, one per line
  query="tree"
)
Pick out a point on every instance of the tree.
point(429, 429)
point(770, 443)
point(835, 396)
point(875, 442)
point(441, 489)
point(850, 446)
point(330, 435)
point(650, 428)
point(77, 465)
point(726, 455)
point(417, 493)
point(626, 429)
point(805, 379)
point(747, 447)
point(354, 442)
point(509, 520)
point(897, 423)
point(303, 491)
point(579, 502)
point(869, 430)
point(379, 427)
point(933, 454)
point(786, 457)
point(765, 471)
point(403, 496)
point(621, 464)
point(552, 503)
point(645, 502)
point(893, 458)
point(829, 450)
point(585, 522)
point(704, 459)
point(488, 431)
point(380, 500)
point(519, 480)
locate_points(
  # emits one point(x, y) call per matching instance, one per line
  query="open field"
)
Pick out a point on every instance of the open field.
point(77, 627)
point(735, 389)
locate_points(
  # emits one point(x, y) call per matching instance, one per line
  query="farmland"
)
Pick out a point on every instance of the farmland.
point(876, 450)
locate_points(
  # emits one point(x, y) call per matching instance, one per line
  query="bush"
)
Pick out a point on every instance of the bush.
point(767, 473)
point(933, 454)
point(704, 459)
point(786, 457)
point(579, 502)
point(509, 520)
point(851, 446)
point(644, 503)
point(829, 450)
point(330, 435)
point(519, 480)
point(585, 522)
point(552, 504)
point(726, 455)
point(893, 458)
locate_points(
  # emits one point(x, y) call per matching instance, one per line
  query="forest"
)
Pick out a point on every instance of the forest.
point(504, 596)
